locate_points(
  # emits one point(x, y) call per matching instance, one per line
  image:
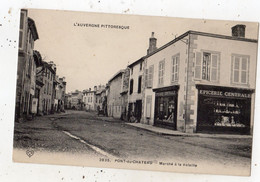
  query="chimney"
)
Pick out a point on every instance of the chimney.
point(89, 89)
point(152, 44)
point(238, 30)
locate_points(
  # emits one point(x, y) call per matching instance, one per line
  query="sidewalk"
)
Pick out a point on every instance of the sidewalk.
point(164, 131)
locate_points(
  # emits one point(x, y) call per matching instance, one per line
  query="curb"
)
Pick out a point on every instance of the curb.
point(223, 136)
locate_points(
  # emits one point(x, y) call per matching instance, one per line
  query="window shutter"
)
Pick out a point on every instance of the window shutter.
point(150, 76)
point(146, 78)
point(236, 69)
point(198, 66)
point(244, 70)
point(177, 68)
point(214, 67)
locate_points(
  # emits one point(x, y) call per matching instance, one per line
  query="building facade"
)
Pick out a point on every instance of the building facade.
point(89, 99)
point(202, 82)
point(26, 68)
point(114, 103)
point(124, 94)
point(60, 89)
point(76, 100)
point(135, 95)
point(46, 75)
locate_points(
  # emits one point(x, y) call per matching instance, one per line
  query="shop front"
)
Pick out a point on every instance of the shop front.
point(165, 114)
point(223, 109)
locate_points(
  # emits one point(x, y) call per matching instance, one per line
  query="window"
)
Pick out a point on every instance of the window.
point(161, 72)
point(22, 28)
point(240, 65)
point(150, 76)
point(132, 70)
point(141, 66)
point(131, 86)
point(175, 67)
point(207, 67)
point(146, 77)
point(139, 84)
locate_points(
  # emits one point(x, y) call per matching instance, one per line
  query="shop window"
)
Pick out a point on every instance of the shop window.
point(240, 65)
point(206, 68)
point(175, 68)
point(131, 86)
point(161, 72)
point(139, 84)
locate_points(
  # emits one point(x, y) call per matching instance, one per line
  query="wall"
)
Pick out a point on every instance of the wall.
point(225, 48)
point(114, 97)
point(181, 48)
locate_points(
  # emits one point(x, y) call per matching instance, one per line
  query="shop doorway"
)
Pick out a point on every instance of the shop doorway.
point(166, 109)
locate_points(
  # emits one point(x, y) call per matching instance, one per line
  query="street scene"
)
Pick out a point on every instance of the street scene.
point(119, 139)
point(183, 103)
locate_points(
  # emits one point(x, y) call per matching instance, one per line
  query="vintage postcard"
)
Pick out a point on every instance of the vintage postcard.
point(135, 92)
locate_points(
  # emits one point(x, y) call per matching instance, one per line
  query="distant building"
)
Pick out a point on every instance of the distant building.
point(89, 99)
point(60, 90)
point(99, 96)
point(77, 100)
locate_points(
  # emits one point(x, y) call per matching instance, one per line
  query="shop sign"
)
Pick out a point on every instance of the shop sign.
point(167, 93)
point(224, 94)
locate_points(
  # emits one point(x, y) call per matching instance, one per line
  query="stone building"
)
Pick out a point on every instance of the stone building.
point(46, 75)
point(60, 89)
point(135, 90)
point(26, 68)
point(99, 96)
point(89, 99)
point(202, 82)
point(114, 103)
point(77, 100)
point(124, 94)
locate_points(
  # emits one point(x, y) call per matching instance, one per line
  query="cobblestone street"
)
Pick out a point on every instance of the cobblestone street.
point(80, 132)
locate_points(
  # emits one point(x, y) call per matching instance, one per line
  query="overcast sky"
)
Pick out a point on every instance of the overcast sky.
point(89, 56)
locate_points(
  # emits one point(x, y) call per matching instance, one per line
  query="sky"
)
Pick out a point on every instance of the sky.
point(89, 56)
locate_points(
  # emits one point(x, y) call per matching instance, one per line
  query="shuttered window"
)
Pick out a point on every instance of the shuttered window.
point(206, 67)
point(175, 68)
point(150, 76)
point(240, 65)
point(161, 72)
point(22, 29)
point(146, 77)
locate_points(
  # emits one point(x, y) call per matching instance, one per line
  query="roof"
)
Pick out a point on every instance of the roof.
point(116, 75)
point(136, 62)
point(33, 28)
point(202, 34)
point(47, 65)
point(37, 58)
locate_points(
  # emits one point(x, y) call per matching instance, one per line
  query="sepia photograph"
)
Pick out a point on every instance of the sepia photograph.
point(135, 92)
